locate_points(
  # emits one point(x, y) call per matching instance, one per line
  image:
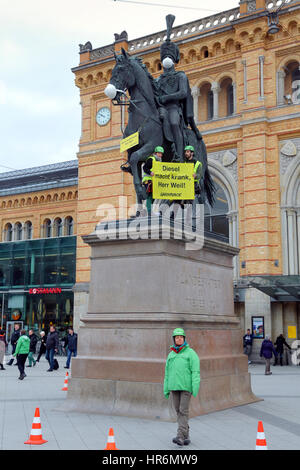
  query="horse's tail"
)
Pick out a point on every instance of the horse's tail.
point(209, 187)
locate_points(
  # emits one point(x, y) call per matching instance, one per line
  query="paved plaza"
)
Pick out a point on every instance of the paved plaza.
point(232, 429)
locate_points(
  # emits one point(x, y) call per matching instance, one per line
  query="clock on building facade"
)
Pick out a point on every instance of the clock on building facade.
point(103, 116)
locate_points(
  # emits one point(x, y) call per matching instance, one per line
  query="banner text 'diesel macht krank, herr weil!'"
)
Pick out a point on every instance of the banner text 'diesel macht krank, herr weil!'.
point(173, 181)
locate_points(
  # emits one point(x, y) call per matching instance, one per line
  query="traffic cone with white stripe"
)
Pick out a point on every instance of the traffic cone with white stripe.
point(111, 445)
point(261, 443)
point(65, 388)
point(36, 431)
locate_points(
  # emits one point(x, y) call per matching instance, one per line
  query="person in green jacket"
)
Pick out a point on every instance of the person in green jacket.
point(21, 352)
point(182, 380)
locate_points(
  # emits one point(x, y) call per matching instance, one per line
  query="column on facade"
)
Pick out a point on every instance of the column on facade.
point(292, 247)
point(234, 97)
point(261, 76)
point(195, 94)
point(280, 86)
point(215, 88)
point(284, 232)
point(297, 237)
point(244, 62)
point(233, 239)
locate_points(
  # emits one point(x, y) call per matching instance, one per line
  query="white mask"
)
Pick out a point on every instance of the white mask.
point(167, 63)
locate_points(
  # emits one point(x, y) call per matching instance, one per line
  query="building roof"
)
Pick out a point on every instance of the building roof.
point(39, 178)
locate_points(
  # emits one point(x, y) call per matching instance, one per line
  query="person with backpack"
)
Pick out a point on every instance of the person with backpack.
point(52, 344)
point(33, 342)
point(267, 350)
point(21, 352)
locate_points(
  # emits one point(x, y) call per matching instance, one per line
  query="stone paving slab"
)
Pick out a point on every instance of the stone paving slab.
point(231, 429)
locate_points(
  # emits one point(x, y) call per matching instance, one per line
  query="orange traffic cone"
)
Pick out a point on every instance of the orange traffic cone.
point(261, 443)
point(111, 445)
point(66, 382)
point(36, 431)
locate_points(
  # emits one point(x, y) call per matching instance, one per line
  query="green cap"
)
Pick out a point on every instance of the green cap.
point(178, 332)
point(159, 149)
point(189, 147)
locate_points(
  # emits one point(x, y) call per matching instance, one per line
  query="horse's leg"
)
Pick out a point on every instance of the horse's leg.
point(140, 155)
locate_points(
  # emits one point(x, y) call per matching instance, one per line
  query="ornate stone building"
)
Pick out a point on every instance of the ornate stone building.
point(38, 217)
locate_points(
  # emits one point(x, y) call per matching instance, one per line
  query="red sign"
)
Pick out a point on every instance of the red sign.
point(45, 290)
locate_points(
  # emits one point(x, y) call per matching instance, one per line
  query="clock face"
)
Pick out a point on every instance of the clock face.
point(103, 116)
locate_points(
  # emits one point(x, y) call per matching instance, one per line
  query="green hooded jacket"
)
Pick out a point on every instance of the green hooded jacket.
point(23, 345)
point(182, 371)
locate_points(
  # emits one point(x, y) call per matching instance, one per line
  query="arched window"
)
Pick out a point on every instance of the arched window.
point(230, 108)
point(210, 105)
point(8, 233)
point(18, 231)
point(28, 230)
point(58, 227)
point(226, 106)
point(47, 228)
point(69, 226)
point(215, 218)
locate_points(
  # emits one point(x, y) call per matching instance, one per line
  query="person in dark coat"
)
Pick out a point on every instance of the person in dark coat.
point(42, 346)
point(32, 349)
point(72, 346)
point(13, 341)
point(247, 343)
point(280, 341)
point(267, 350)
point(51, 347)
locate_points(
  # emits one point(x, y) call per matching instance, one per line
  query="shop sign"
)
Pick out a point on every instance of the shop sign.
point(45, 290)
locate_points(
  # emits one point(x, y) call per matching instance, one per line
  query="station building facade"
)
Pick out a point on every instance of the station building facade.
point(243, 68)
point(38, 246)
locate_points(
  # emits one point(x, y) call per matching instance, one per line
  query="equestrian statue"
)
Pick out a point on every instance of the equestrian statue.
point(161, 111)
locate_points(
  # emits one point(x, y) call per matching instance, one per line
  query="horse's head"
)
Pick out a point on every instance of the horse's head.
point(122, 77)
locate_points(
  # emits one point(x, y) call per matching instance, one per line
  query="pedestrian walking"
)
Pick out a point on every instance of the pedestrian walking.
point(266, 351)
point(182, 380)
point(42, 346)
point(21, 352)
point(280, 341)
point(13, 341)
point(247, 343)
point(51, 347)
point(32, 349)
point(72, 346)
point(3, 345)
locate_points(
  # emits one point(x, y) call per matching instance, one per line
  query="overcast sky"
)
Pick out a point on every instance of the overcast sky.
point(39, 103)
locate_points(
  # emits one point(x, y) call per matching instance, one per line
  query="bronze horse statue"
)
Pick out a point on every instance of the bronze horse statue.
point(145, 116)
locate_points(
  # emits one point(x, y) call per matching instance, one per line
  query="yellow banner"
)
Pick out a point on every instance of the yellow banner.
point(173, 181)
point(129, 142)
point(292, 332)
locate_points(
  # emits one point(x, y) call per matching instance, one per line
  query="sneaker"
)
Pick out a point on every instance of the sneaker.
point(249, 362)
point(178, 441)
point(28, 366)
point(186, 442)
point(34, 364)
point(50, 370)
point(66, 367)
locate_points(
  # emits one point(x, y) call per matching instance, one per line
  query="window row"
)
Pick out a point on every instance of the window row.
point(50, 228)
point(39, 200)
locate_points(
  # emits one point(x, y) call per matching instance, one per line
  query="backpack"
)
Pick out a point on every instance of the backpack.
point(55, 364)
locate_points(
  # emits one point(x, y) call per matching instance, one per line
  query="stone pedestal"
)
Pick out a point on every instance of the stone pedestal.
point(140, 290)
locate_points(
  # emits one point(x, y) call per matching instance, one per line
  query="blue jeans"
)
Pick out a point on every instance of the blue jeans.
point(69, 356)
point(50, 357)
